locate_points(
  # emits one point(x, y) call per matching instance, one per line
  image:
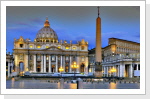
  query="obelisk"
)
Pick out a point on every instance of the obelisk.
point(98, 51)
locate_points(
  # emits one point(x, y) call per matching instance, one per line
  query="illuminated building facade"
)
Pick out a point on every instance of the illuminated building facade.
point(46, 54)
point(120, 55)
point(9, 64)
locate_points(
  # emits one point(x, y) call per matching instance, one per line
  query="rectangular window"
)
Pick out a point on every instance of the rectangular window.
point(21, 57)
point(138, 67)
point(67, 58)
point(82, 58)
point(82, 47)
point(67, 47)
point(74, 48)
point(21, 45)
point(38, 46)
point(53, 58)
point(38, 57)
point(31, 46)
point(47, 46)
point(47, 58)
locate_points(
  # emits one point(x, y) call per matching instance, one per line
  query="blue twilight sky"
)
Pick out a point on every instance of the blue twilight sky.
point(73, 23)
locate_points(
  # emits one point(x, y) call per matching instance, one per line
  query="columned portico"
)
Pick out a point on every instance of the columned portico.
point(122, 69)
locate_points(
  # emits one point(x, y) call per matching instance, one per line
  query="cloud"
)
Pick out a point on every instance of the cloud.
point(22, 23)
point(36, 20)
point(121, 35)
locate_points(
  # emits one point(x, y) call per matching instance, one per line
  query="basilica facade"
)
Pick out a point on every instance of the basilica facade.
point(47, 54)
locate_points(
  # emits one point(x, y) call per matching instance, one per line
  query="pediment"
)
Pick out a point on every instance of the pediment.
point(54, 48)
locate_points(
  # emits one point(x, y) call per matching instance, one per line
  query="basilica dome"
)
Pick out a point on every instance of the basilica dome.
point(46, 34)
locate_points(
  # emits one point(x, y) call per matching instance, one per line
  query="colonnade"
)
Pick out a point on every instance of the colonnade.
point(46, 61)
point(120, 70)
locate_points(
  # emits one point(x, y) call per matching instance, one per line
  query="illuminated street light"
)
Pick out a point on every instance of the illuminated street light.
point(113, 70)
point(74, 67)
point(61, 70)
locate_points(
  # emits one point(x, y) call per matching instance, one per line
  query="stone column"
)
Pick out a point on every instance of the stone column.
point(56, 64)
point(122, 70)
point(34, 63)
point(16, 63)
point(130, 71)
point(106, 71)
point(118, 70)
point(102, 70)
point(70, 68)
point(77, 70)
point(50, 64)
point(44, 63)
point(86, 65)
point(41, 63)
point(137, 67)
point(26, 68)
point(8, 69)
point(63, 62)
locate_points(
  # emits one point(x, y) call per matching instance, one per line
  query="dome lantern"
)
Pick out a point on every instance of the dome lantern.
point(46, 24)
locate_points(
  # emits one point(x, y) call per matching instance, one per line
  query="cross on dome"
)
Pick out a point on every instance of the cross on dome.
point(46, 24)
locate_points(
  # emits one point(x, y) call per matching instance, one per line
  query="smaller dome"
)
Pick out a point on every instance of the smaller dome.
point(46, 34)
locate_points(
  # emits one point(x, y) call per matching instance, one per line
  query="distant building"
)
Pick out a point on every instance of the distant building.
point(120, 58)
point(9, 64)
point(46, 54)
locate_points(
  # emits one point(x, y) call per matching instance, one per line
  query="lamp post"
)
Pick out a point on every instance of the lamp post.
point(113, 70)
point(61, 69)
point(74, 67)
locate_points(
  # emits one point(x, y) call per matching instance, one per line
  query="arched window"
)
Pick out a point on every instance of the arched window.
point(67, 47)
point(38, 46)
point(30, 57)
point(21, 45)
point(82, 67)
